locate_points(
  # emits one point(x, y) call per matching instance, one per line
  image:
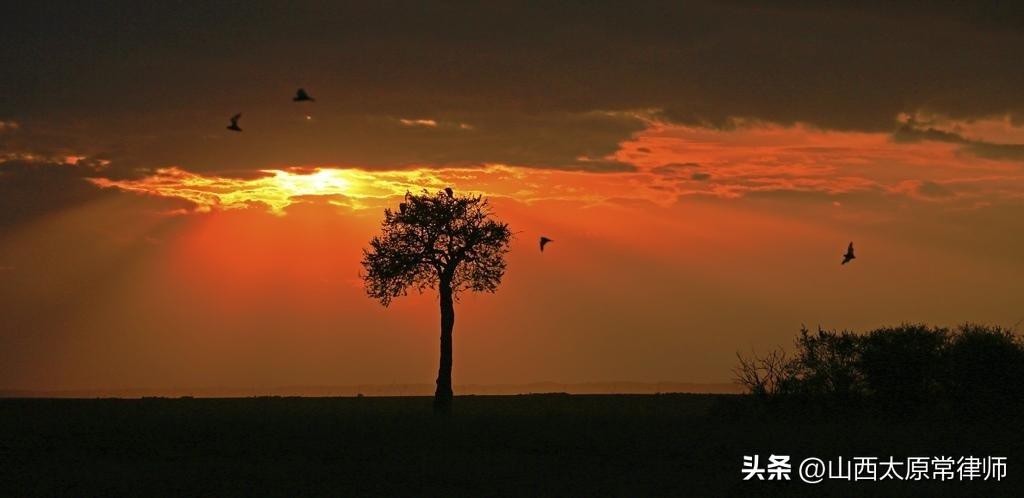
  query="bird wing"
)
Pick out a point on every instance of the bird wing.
point(849, 249)
point(236, 117)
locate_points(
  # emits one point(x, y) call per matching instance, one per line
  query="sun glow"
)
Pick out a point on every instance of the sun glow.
point(671, 163)
point(322, 182)
point(279, 188)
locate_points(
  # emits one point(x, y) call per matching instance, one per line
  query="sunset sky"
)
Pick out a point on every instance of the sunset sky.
point(700, 166)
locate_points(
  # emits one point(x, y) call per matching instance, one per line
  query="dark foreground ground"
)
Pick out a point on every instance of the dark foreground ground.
point(546, 445)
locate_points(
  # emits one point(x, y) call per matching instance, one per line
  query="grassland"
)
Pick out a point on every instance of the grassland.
point(539, 445)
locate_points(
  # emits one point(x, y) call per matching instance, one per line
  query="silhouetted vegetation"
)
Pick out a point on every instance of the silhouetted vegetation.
point(446, 242)
point(903, 367)
point(543, 445)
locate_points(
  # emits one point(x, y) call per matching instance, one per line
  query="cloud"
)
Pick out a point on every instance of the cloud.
point(934, 190)
point(429, 123)
point(908, 133)
point(271, 140)
point(30, 188)
point(433, 123)
point(911, 132)
point(529, 80)
point(37, 184)
point(771, 160)
point(1003, 152)
point(756, 160)
point(673, 169)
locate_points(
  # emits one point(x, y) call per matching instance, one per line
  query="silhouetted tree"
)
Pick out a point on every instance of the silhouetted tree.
point(826, 363)
point(900, 369)
point(985, 366)
point(443, 241)
point(765, 377)
point(902, 365)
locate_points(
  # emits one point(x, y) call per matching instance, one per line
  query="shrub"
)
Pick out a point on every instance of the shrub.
point(763, 376)
point(825, 365)
point(985, 364)
point(903, 365)
point(894, 367)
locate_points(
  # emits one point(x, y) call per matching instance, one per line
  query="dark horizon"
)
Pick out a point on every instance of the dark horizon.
point(399, 389)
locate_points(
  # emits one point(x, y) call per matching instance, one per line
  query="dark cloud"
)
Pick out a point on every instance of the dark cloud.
point(911, 132)
point(934, 190)
point(280, 138)
point(1004, 152)
point(153, 84)
point(673, 169)
point(700, 176)
point(33, 188)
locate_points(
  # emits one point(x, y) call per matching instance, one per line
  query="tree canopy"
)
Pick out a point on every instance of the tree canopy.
point(436, 239)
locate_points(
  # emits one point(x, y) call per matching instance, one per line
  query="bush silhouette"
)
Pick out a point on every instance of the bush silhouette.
point(985, 364)
point(825, 365)
point(900, 367)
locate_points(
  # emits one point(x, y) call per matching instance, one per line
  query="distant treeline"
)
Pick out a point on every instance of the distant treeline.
point(905, 366)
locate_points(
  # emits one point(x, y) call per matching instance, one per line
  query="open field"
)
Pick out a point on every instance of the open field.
point(547, 445)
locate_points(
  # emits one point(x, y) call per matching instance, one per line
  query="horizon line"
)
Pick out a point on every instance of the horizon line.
point(395, 389)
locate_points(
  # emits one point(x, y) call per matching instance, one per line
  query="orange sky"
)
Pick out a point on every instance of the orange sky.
point(700, 168)
point(653, 275)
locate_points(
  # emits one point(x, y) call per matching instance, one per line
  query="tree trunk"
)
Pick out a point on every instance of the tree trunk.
point(443, 394)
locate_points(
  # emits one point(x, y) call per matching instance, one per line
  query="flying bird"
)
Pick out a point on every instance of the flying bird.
point(449, 191)
point(849, 254)
point(543, 242)
point(302, 96)
point(234, 122)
